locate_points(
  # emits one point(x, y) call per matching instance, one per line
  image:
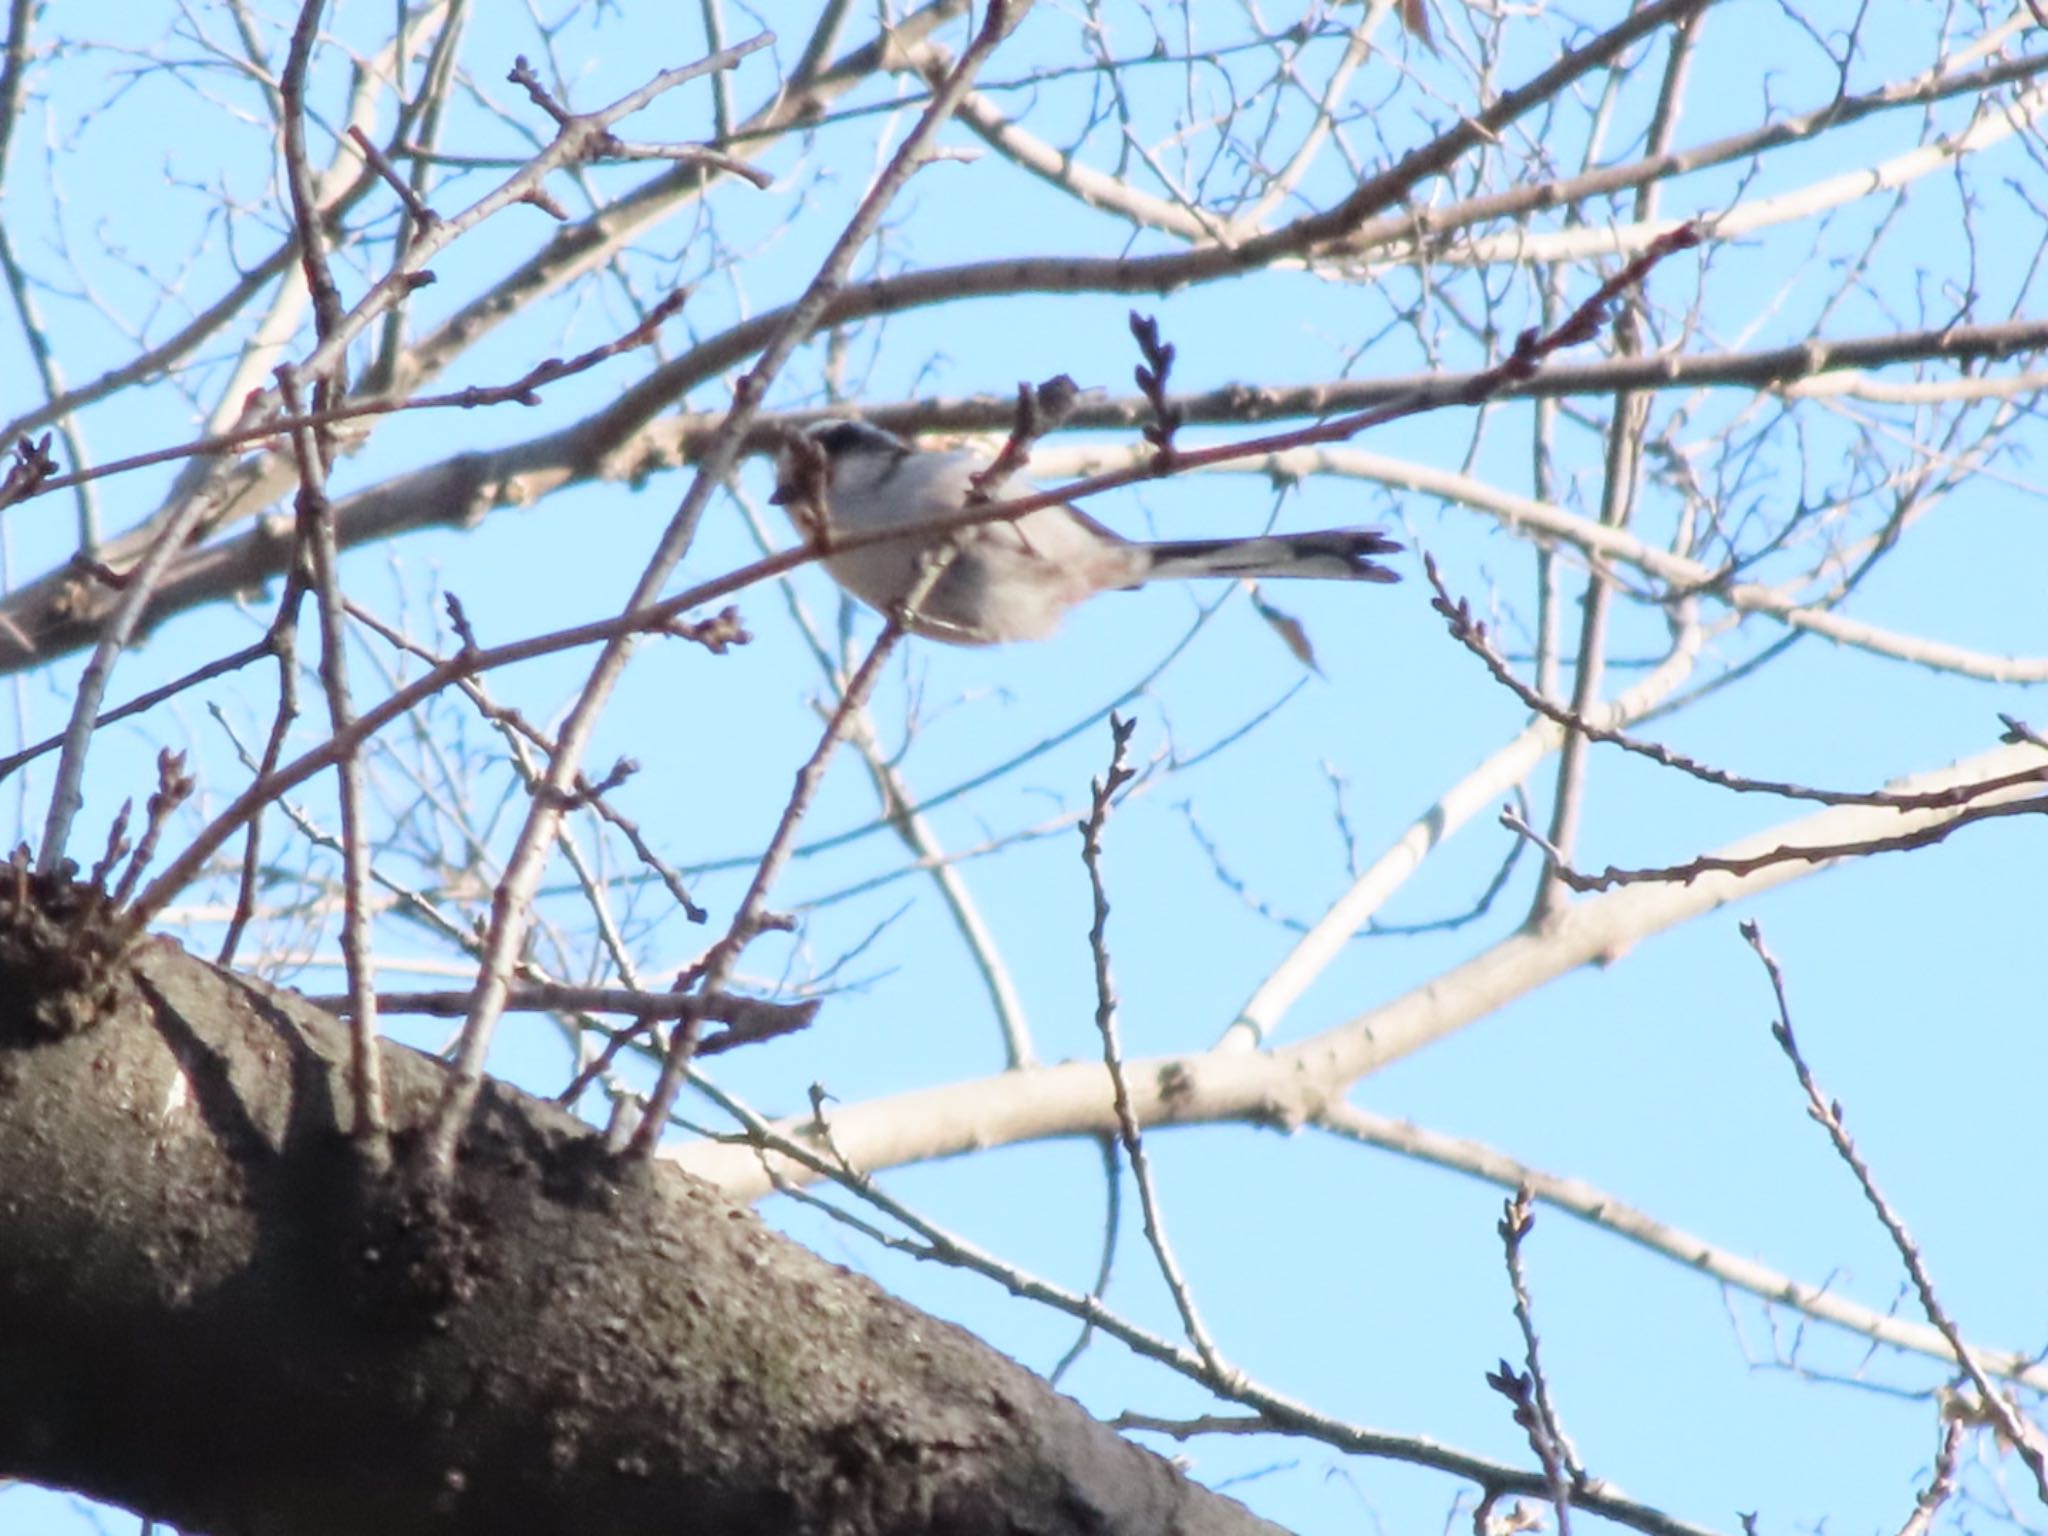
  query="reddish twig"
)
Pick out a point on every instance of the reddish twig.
point(1040, 410)
point(524, 390)
point(2017, 731)
point(612, 147)
point(423, 216)
point(1522, 364)
point(654, 614)
point(306, 214)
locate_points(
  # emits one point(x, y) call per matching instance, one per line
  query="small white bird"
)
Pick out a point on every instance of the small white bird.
point(1014, 580)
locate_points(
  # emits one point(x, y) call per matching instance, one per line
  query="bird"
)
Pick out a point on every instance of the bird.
point(1011, 580)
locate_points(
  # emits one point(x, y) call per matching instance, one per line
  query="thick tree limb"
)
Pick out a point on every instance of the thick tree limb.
point(62, 610)
point(209, 1319)
point(1295, 1084)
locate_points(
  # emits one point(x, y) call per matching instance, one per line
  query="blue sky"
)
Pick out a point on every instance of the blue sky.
point(1360, 1281)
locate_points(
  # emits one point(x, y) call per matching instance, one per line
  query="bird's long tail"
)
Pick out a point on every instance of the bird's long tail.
point(1336, 554)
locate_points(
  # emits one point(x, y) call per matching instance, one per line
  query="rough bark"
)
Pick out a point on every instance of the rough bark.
point(209, 1312)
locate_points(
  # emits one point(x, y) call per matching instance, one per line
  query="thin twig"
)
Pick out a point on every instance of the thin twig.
point(220, 666)
point(1941, 1481)
point(67, 795)
point(370, 1126)
point(1620, 486)
point(716, 634)
point(1103, 793)
point(751, 918)
point(1112, 1225)
point(1603, 1209)
point(902, 813)
point(29, 469)
point(306, 221)
point(415, 205)
point(1471, 634)
point(918, 834)
point(22, 16)
point(2012, 1426)
point(1560, 1459)
point(174, 787)
point(1502, 772)
point(117, 845)
point(282, 641)
point(1277, 1411)
point(524, 390)
point(524, 185)
point(1041, 409)
point(1821, 853)
point(1518, 1387)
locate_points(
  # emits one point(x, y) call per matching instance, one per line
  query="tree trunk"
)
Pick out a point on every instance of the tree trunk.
point(211, 1313)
